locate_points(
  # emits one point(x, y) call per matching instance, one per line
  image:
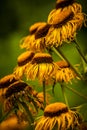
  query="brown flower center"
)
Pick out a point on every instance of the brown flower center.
point(63, 3)
point(34, 27)
point(42, 30)
point(7, 80)
point(62, 18)
point(55, 109)
point(15, 87)
point(25, 57)
point(42, 58)
point(62, 64)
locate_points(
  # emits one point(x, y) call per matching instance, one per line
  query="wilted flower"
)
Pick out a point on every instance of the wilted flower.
point(41, 67)
point(59, 116)
point(65, 73)
point(64, 24)
point(36, 41)
point(7, 80)
point(23, 60)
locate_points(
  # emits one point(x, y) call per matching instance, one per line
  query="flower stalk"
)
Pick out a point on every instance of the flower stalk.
point(80, 51)
point(44, 93)
point(64, 94)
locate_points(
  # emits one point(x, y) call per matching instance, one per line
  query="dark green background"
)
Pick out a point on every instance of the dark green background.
point(16, 16)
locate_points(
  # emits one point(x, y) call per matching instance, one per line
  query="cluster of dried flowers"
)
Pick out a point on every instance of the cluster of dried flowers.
point(36, 62)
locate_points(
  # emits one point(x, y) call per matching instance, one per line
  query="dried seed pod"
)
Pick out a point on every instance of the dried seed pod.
point(7, 80)
point(25, 58)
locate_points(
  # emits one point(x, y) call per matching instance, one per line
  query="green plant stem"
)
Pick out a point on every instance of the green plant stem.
point(53, 87)
point(30, 117)
point(80, 51)
point(62, 56)
point(6, 115)
point(44, 93)
point(76, 92)
point(63, 91)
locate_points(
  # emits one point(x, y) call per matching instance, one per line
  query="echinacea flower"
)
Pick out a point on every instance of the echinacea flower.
point(65, 73)
point(59, 116)
point(23, 60)
point(36, 41)
point(65, 21)
point(41, 67)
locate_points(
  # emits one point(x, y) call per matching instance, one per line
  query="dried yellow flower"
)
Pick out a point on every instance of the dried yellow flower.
point(59, 116)
point(65, 23)
point(36, 40)
point(7, 80)
point(65, 73)
point(23, 60)
point(41, 67)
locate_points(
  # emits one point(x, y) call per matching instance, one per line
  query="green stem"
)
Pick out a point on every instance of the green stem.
point(53, 87)
point(44, 93)
point(76, 92)
point(30, 117)
point(62, 56)
point(80, 51)
point(63, 91)
point(6, 115)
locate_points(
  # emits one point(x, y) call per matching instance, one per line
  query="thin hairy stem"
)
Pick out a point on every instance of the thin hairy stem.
point(80, 51)
point(44, 93)
point(64, 94)
point(76, 92)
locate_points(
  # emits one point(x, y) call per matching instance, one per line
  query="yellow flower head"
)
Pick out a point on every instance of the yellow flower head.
point(7, 80)
point(41, 67)
point(57, 115)
point(64, 24)
point(65, 73)
point(36, 40)
point(23, 60)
